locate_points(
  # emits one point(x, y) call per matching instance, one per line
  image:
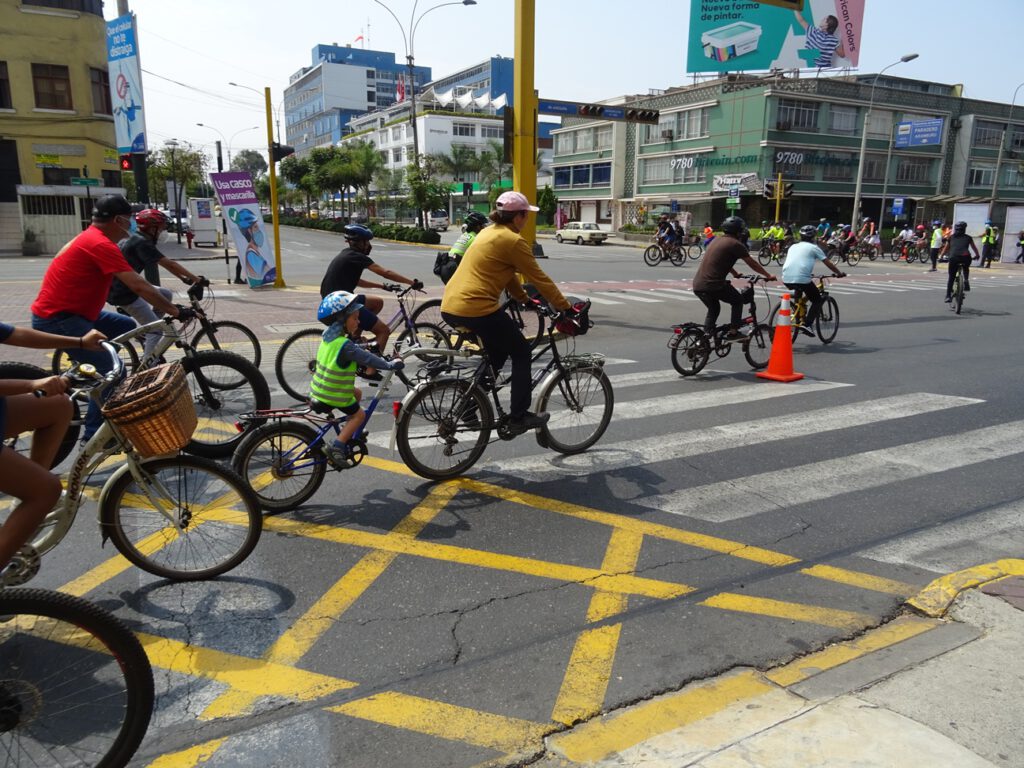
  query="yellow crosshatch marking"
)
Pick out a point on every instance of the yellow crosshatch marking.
point(588, 666)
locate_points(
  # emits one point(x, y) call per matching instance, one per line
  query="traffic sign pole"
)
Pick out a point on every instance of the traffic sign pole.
point(778, 197)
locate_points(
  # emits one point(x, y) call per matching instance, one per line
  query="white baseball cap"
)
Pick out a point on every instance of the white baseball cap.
point(514, 201)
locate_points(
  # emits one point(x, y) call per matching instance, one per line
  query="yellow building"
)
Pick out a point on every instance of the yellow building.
point(55, 119)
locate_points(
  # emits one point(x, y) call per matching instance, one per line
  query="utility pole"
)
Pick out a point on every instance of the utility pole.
point(524, 162)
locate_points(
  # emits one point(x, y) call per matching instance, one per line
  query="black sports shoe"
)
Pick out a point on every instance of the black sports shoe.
point(805, 330)
point(733, 334)
point(948, 299)
point(528, 421)
point(967, 287)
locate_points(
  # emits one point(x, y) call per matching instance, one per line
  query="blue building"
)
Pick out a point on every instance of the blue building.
point(342, 82)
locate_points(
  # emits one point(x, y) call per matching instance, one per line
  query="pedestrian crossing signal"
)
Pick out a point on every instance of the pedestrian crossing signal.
point(125, 163)
point(769, 190)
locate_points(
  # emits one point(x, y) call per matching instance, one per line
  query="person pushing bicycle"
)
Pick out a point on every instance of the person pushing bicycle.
point(798, 270)
point(710, 284)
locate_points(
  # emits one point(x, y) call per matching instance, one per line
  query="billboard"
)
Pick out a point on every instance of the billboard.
point(736, 35)
point(240, 206)
point(919, 133)
point(125, 85)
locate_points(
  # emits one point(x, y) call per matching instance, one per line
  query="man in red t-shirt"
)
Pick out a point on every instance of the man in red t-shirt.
point(75, 287)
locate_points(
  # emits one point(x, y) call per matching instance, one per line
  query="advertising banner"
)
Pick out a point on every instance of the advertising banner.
point(241, 208)
point(919, 133)
point(737, 35)
point(125, 85)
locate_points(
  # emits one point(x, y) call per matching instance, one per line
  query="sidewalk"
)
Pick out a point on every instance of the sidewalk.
point(939, 686)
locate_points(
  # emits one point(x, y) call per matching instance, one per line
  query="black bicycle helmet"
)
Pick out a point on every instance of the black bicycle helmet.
point(734, 226)
point(475, 221)
point(109, 206)
point(357, 232)
point(808, 232)
point(960, 228)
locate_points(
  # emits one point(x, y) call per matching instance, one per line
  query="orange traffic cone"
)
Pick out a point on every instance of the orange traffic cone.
point(780, 364)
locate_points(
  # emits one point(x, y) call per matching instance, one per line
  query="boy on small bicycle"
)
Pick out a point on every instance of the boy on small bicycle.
point(334, 380)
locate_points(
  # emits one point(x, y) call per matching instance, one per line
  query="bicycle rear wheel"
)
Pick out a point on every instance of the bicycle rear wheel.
point(677, 256)
point(233, 337)
point(279, 464)
point(652, 255)
point(218, 513)
point(827, 323)
point(296, 361)
point(430, 312)
point(690, 351)
point(443, 429)
point(60, 362)
point(580, 403)
point(224, 386)
point(23, 443)
point(76, 688)
point(958, 291)
point(694, 251)
point(758, 348)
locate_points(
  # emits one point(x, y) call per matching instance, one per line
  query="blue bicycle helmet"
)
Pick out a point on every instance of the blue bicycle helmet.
point(338, 303)
point(245, 218)
point(357, 232)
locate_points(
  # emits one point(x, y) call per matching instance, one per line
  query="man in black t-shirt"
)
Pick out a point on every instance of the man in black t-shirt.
point(345, 273)
point(710, 283)
point(959, 247)
point(140, 251)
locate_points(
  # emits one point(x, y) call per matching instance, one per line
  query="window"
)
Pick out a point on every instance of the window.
point(601, 175)
point(5, 88)
point(691, 124)
point(111, 178)
point(581, 175)
point(48, 205)
point(1016, 132)
point(396, 155)
point(52, 86)
point(603, 137)
point(879, 124)
point(371, 97)
point(981, 176)
point(371, 75)
point(1012, 176)
point(59, 175)
point(585, 140)
point(657, 170)
point(463, 129)
point(491, 132)
point(874, 168)
point(563, 144)
point(913, 170)
point(691, 174)
point(790, 170)
point(100, 82)
point(798, 115)
point(986, 134)
point(396, 132)
point(839, 171)
point(842, 120)
point(563, 177)
point(694, 124)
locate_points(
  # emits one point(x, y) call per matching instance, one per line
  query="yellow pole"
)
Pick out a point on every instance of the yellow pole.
point(524, 163)
point(279, 281)
point(778, 197)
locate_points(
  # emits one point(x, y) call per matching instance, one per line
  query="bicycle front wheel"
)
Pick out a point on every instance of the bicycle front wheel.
point(61, 363)
point(652, 255)
point(764, 256)
point(23, 443)
point(430, 312)
point(758, 348)
point(853, 258)
point(278, 462)
point(444, 428)
point(695, 251)
point(677, 256)
point(827, 324)
point(691, 352)
point(580, 402)
point(217, 512)
point(296, 361)
point(76, 688)
point(220, 401)
point(233, 337)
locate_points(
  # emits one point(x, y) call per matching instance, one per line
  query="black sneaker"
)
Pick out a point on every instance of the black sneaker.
point(338, 455)
point(967, 287)
point(375, 376)
point(528, 421)
point(732, 335)
point(948, 299)
point(805, 330)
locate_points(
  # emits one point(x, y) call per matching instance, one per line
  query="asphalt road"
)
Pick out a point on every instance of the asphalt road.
point(721, 521)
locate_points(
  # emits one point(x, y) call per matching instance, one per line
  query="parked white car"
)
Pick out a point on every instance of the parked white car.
point(581, 232)
point(438, 220)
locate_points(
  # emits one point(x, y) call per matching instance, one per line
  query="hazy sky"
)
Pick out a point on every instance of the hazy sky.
point(587, 50)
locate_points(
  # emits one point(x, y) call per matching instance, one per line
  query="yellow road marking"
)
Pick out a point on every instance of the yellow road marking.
point(935, 599)
point(188, 758)
point(591, 577)
point(897, 631)
point(447, 721)
point(295, 642)
point(857, 579)
point(812, 614)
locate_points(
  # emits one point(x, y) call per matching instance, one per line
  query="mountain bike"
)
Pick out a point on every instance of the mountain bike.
point(908, 251)
point(959, 287)
point(178, 517)
point(691, 346)
point(76, 687)
point(443, 426)
point(826, 324)
point(655, 253)
point(212, 335)
point(284, 461)
point(529, 322)
point(296, 358)
point(838, 251)
point(772, 251)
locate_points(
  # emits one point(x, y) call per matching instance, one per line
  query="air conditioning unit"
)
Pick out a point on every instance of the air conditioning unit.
point(783, 126)
point(667, 134)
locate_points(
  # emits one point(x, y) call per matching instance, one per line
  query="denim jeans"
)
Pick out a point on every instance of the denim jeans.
point(143, 312)
point(64, 323)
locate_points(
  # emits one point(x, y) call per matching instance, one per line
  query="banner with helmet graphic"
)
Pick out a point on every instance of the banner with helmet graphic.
point(241, 208)
point(735, 35)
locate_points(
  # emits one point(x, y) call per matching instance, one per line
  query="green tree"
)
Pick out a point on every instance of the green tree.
point(493, 169)
point(298, 172)
point(547, 202)
point(389, 183)
point(249, 160)
point(189, 171)
point(425, 190)
point(365, 161)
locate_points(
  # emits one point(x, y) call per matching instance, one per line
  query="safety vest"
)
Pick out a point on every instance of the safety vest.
point(462, 244)
point(936, 238)
point(332, 384)
point(990, 236)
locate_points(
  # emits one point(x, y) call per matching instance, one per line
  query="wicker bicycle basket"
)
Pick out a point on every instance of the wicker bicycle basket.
point(154, 410)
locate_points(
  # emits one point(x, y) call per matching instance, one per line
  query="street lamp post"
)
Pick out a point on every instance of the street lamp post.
point(855, 217)
point(411, 61)
point(1002, 144)
point(227, 142)
point(172, 144)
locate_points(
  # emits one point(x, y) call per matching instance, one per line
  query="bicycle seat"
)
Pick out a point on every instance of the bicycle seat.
point(317, 407)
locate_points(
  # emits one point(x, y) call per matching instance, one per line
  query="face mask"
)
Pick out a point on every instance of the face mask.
point(258, 238)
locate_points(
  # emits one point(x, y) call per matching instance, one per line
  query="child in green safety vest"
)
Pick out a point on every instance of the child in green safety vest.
point(334, 379)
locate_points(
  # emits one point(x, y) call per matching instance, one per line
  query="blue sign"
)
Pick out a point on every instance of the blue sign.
point(556, 107)
point(897, 206)
point(920, 133)
point(673, 206)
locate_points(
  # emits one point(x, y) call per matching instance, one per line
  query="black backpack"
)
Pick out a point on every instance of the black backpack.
point(444, 266)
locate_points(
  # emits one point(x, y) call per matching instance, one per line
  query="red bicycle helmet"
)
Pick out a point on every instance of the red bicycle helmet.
point(150, 219)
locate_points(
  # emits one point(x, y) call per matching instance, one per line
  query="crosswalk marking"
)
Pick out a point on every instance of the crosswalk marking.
point(610, 456)
point(632, 293)
point(785, 488)
point(594, 299)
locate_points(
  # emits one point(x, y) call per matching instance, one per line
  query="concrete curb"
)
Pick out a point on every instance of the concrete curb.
point(935, 599)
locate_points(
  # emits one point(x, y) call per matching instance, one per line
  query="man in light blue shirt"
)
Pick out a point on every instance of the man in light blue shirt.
point(798, 270)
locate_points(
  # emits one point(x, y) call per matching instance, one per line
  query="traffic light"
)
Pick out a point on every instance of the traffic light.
point(769, 190)
point(467, 188)
point(280, 151)
point(642, 115)
point(125, 163)
point(589, 110)
point(787, 189)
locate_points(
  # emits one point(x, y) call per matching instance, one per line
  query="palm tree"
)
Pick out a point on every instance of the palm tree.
point(365, 161)
point(492, 166)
